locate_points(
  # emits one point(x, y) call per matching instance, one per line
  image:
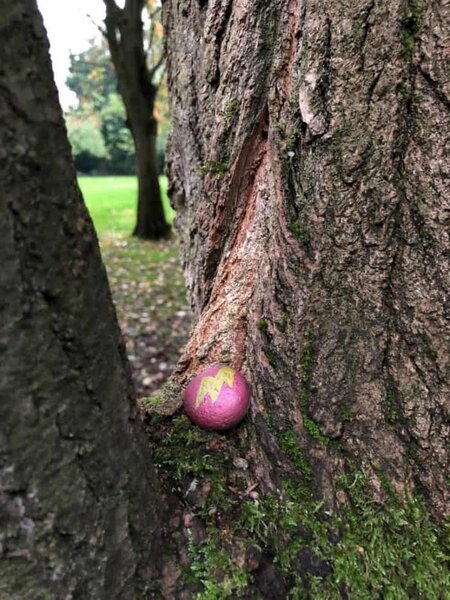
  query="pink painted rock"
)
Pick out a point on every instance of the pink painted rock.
point(217, 398)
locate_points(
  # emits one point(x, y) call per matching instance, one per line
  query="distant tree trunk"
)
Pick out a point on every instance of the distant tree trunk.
point(307, 170)
point(79, 500)
point(151, 221)
point(125, 35)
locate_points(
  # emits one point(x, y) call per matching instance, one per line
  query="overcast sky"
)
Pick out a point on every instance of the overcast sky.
point(69, 30)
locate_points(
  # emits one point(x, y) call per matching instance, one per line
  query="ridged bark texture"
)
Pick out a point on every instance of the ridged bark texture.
point(307, 167)
point(79, 501)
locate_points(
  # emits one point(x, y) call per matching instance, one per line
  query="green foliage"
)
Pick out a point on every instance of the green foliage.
point(87, 142)
point(117, 136)
point(91, 76)
point(93, 80)
point(85, 136)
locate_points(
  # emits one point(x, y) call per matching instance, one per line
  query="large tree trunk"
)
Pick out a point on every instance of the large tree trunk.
point(307, 171)
point(79, 501)
point(125, 36)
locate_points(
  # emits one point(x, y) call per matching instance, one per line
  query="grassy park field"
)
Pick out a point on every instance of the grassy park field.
point(146, 280)
point(112, 202)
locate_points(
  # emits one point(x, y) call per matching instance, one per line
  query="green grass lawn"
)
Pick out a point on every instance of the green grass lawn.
point(112, 201)
point(129, 261)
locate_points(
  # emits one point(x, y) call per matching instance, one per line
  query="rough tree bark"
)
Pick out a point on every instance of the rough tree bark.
point(125, 35)
point(79, 502)
point(307, 171)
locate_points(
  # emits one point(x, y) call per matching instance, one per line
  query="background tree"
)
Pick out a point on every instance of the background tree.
point(100, 113)
point(91, 75)
point(117, 136)
point(88, 146)
point(79, 502)
point(137, 85)
point(307, 170)
point(98, 132)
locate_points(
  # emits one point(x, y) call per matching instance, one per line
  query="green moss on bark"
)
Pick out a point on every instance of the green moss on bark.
point(411, 26)
point(308, 422)
point(216, 168)
point(368, 550)
point(391, 409)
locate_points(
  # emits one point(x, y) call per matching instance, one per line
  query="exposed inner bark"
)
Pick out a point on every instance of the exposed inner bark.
point(79, 500)
point(307, 169)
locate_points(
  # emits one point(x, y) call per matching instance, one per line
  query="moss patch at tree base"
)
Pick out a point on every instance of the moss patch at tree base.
point(288, 538)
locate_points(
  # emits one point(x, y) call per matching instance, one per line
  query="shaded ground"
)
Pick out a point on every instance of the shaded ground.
point(145, 278)
point(149, 294)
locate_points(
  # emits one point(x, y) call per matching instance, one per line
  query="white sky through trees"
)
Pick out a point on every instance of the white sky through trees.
point(69, 30)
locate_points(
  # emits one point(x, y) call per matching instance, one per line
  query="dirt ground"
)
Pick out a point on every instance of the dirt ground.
point(148, 290)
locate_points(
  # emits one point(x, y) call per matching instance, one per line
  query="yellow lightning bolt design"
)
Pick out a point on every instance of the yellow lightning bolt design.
point(213, 384)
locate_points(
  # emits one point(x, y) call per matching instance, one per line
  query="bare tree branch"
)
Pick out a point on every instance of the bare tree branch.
point(99, 27)
point(152, 15)
point(112, 19)
point(152, 33)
